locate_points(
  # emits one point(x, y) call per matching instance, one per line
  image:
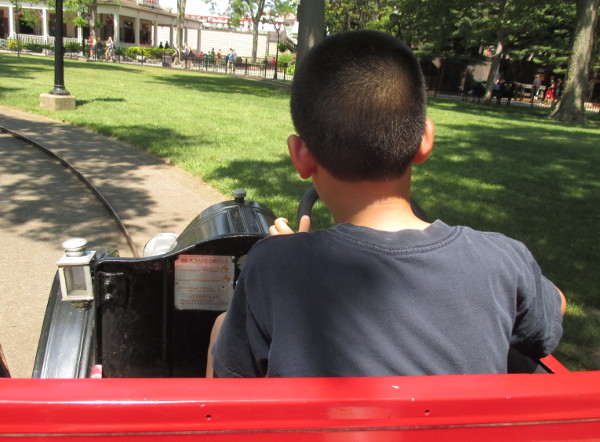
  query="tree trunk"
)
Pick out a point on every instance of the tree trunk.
point(255, 22)
point(571, 104)
point(311, 25)
point(92, 20)
point(180, 22)
point(489, 85)
point(260, 9)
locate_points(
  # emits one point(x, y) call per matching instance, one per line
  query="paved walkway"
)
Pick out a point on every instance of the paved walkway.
point(149, 195)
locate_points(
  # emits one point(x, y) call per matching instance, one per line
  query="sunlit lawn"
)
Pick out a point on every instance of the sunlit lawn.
point(493, 168)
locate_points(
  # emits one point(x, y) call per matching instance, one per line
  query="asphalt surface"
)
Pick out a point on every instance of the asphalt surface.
point(43, 205)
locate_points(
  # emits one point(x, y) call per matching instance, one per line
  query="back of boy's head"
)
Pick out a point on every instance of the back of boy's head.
point(358, 101)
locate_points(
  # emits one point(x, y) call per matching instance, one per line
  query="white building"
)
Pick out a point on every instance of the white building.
point(142, 23)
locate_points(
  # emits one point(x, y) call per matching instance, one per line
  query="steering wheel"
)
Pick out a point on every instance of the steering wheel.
point(311, 196)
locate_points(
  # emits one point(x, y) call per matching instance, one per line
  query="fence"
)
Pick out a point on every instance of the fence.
point(264, 69)
point(38, 39)
point(519, 96)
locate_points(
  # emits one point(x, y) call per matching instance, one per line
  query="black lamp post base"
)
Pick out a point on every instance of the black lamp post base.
point(59, 90)
point(56, 102)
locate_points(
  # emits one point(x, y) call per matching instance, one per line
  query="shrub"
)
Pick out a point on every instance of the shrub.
point(13, 44)
point(35, 47)
point(72, 46)
point(136, 51)
point(291, 69)
point(284, 59)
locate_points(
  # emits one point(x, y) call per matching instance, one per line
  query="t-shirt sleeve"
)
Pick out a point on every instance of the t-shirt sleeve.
point(241, 349)
point(538, 322)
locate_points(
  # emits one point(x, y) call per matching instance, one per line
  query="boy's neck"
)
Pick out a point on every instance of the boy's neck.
point(378, 205)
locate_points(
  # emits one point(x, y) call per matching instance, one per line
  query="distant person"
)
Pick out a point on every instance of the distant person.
point(231, 60)
point(110, 49)
point(92, 47)
point(382, 292)
point(186, 55)
point(177, 56)
point(537, 83)
point(551, 88)
point(99, 49)
point(559, 89)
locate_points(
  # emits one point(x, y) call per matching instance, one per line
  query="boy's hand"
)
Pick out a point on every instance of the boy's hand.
point(280, 227)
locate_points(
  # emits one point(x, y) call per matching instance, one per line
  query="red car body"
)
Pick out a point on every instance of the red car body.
point(559, 406)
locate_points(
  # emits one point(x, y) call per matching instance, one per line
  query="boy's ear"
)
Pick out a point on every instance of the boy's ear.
point(426, 143)
point(303, 160)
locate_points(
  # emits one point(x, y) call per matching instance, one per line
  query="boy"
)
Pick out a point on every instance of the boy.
point(382, 293)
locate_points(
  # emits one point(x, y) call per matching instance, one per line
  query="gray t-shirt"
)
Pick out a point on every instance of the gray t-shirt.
point(353, 301)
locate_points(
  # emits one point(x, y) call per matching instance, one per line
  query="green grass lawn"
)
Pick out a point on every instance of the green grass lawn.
point(494, 168)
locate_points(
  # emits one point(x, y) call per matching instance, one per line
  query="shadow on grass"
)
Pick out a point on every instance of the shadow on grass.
point(7, 90)
point(104, 65)
point(222, 84)
point(20, 67)
point(103, 100)
point(273, 183)
point(158, 140)
point(523, 113)
point(26, 67)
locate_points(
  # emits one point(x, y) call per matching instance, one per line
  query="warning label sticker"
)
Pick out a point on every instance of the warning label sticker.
point(203, 282)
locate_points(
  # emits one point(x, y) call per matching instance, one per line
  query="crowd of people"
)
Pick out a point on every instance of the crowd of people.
point(539, 90)
point(185, 54)
point(100, 50)
point(552, 92)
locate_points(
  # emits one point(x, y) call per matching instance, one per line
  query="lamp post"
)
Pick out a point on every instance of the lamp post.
point(85, 15)
point(59, 65)
point(276, 52)
point(59, 98)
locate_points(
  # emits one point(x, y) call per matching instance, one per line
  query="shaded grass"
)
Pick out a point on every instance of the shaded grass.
point(493, 168)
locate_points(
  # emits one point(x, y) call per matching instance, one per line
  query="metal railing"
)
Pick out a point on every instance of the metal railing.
point(40, 39)
point(244, 67)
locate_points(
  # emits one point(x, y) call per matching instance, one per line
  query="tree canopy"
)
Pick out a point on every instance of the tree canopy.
point(531, 29)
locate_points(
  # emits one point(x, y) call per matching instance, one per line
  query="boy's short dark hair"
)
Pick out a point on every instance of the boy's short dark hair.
point(358, 101)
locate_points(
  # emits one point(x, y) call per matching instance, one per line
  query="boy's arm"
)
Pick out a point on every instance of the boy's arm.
point(280, 227)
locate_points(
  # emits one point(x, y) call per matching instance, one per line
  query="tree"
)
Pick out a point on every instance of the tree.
point(571, 104)
point(180, 22)
point(249, 8)
point(279, 8)
point(351, 15)
point(311, 25)
point(497, 55)
point(86, 11)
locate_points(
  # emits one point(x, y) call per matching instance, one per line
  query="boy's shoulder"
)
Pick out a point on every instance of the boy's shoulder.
point(438, 238)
